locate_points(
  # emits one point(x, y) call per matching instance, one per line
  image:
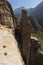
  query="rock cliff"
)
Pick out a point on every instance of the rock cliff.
point(9, 50)
point(6, 14)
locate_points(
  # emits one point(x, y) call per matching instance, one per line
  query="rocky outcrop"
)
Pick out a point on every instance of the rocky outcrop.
point(6, 14)
point(23, 34)
point(9, 50)
point(36, 56)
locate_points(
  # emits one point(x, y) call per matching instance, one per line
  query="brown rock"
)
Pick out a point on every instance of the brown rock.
point(25, 34)
point(6, 14)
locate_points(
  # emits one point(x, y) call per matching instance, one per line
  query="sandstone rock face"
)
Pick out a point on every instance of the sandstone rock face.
point(6, 14)
point(9, 51)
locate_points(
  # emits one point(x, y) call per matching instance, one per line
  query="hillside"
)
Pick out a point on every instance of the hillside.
point(35, 27)
point(37, 13)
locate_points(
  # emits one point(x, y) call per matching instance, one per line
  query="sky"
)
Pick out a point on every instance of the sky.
point(24, 3)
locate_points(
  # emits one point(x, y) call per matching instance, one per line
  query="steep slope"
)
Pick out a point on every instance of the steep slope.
point(35, 27)
point(37, 12)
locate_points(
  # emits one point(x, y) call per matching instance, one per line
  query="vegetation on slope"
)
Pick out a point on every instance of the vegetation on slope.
point(39, 36)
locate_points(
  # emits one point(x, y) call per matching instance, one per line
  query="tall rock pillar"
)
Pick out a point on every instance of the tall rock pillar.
point(25, 35)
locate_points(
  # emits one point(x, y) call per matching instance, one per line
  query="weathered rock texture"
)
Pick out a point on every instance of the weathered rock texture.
point(36, 57)
point(25, 34)
point(9, 51)
point(6, 14)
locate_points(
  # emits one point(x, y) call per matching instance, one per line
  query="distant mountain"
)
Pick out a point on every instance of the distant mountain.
point(35, 27)
point(17, 12)
point(36, 12)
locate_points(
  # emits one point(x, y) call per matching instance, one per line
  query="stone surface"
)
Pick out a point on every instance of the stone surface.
point(9, 51)
point(6, 14)
point(25, 34)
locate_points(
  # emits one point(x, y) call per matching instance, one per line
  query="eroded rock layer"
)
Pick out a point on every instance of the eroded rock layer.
point(6, 14)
